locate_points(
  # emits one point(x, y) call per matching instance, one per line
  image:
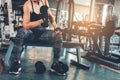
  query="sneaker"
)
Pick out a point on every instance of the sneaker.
point(15, 68)
point(53, 71)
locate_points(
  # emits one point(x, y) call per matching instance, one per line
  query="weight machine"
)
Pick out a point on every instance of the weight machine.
point(98, 36)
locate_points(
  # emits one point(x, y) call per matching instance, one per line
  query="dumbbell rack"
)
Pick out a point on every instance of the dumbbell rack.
point(7, 30)
point(11, 18)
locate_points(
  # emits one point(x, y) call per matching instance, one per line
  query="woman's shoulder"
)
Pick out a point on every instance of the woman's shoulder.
point(45, 2)
point(27, 2)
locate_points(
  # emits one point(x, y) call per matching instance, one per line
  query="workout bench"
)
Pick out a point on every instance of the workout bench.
point(44, 44)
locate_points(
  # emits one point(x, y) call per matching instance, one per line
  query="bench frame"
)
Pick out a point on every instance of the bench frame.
point(66, 45)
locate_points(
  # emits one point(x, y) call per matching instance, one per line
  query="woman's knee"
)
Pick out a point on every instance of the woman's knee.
point(58, 38)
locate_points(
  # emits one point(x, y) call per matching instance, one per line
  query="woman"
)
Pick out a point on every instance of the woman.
point(33, 29)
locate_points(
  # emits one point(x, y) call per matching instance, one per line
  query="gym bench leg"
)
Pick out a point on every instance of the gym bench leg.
point(8, 54)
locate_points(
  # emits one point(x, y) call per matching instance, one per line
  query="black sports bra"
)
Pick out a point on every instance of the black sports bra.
point(34, 16)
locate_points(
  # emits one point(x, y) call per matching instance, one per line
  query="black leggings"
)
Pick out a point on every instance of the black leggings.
point(24, 35)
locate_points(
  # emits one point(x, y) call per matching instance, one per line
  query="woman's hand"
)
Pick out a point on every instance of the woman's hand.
point(58, 30)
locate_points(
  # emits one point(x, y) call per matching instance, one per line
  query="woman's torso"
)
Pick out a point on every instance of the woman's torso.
point(35, 14)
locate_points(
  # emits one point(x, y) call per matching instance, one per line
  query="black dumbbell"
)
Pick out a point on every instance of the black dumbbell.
point(40, 67)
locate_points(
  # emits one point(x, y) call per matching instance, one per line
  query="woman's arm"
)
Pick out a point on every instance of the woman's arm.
point(52, 19)
point(50, 15)
point(27, 24)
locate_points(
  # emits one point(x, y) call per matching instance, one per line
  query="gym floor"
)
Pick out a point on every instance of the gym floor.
point(95, 72)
